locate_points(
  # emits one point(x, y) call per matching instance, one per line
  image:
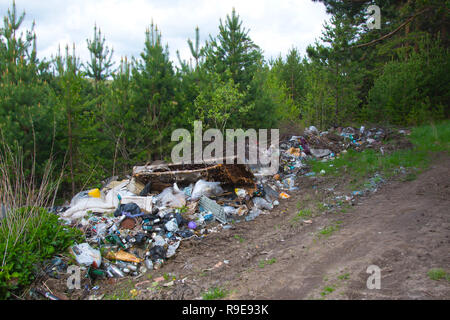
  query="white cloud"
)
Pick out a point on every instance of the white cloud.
point(276, 26)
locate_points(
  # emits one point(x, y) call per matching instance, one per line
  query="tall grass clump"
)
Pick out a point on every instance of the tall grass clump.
point(29, 234)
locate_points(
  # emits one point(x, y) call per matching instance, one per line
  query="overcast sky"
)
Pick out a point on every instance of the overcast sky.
point(275, 25)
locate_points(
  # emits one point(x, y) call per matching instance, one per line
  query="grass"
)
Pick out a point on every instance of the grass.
point(344, 276)
point(328, 231)
point(333, 285)
point(304, 213)
point(426, 139)
point(214, 293)
point(168, 276)
point(321, 206)
point(124, 295)
point(239, 238)
point(125, 292)
point(410, 177)
point(327, 290)
point(263, 263)
point(438, 274)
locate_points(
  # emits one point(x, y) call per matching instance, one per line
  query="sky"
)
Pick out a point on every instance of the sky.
point(275, 25)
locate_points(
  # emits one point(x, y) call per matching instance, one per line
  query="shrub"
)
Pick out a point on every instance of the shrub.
point(42, 237)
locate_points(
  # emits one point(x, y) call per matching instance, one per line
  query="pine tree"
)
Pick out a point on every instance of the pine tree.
point(100, 66)
point(25, 113)
point(233, 50)
point(68, 79)
point(154, 95)
point(291, 73)
point(121, 119)
point(343, 72)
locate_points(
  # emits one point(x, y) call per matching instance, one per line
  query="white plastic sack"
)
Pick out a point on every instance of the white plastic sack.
point(207, 189)
point(107, 203)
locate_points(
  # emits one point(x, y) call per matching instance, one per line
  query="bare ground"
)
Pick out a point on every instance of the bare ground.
point(403, 229)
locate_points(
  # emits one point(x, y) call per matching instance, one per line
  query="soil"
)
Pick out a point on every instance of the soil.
point(403, 228)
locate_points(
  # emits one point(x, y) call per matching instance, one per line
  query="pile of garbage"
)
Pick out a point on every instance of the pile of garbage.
point(135, 224)
point(323, 146)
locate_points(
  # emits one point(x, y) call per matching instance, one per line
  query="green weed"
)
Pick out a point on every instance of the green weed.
point(214, 293)
point(327, 290)
point(438, 274)
point(263, 263)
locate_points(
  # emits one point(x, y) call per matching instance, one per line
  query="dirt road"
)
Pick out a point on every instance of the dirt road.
point(403, 229)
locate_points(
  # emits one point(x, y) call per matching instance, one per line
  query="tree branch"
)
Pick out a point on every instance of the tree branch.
point(393, 32)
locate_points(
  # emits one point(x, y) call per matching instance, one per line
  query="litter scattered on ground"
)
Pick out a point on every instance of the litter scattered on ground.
point(134, 225)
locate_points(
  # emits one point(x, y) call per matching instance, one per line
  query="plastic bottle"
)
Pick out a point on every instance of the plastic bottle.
point(149, 264)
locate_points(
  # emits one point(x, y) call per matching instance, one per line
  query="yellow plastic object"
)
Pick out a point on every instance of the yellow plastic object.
point(95, 193)
point(123, 256)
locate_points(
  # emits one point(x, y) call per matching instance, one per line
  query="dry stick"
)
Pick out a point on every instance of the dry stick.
point(393, 32)
point(33, 168)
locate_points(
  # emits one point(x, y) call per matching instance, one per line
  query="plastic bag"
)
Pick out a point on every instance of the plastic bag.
point(242, 210)
point(241, 193)
point(86, 255)
point(229, 210)
point(101, 229)
point(129, 208)
point(83, 195)
point(171, 250)
point(261, 203)
point(158, 241)
point(172, 225)
point(170, 197)
point(311, 130)
point(207, 189)
point(253, 214)
point(188, 190)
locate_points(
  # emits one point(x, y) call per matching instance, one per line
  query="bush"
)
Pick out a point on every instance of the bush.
point(42, 237)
